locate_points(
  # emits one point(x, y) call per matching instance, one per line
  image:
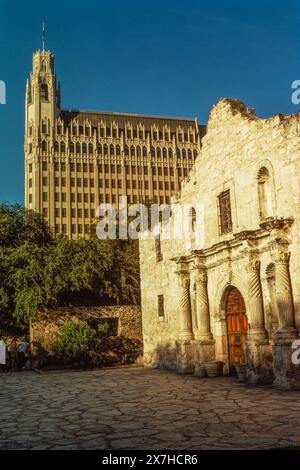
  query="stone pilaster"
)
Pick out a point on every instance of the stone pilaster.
point(255, 304)
point(185, 313)
point(185, 362)
point(203, 332)
point(283, 296)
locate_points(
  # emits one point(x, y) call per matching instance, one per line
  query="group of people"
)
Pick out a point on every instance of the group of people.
point(16, 357)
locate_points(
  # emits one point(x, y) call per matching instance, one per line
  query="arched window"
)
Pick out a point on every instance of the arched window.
point(132, 151)
point(170, 153)
point(178, 153)
point(56, 147)
point(91, 149)
point(44, 146)
point(99, 149)
point(62, 147)
point(59, 129)
point(158, 151)
point(112, 149)
point(195, 153)
point(152, 152)
point(126, 150)
point(105, 148)
point(118, 150)
point(44, 66)
point(71, 147)
point(78, 148)
point(84, 149)
point(183, 153)
point(264, 194)
point(144, 152)
point(138, 151)
point(164, 152)
point(44, 92)
point(190, 153)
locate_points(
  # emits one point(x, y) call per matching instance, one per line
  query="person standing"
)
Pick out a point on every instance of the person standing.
point(3, 355)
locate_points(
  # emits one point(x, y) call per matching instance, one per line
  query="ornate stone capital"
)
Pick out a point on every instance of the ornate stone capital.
point(281, 257)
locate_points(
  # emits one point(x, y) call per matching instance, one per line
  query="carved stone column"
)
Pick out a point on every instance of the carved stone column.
point(184, 346)
point(185, 313)
point(203, 332)
point(283, 296)
point(256, 309)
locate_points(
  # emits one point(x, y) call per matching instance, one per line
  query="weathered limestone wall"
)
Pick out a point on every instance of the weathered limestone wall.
point(236, 147)
point(43, 329)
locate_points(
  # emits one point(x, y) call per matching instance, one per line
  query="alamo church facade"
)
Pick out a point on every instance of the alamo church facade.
point(237, 299)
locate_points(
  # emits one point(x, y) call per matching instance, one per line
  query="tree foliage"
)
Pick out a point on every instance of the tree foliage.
point(38, 270)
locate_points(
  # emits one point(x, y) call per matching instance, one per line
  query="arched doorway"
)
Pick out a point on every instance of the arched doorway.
point(237, 327)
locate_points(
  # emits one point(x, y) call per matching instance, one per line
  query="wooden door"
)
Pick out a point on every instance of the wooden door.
point(237, 326)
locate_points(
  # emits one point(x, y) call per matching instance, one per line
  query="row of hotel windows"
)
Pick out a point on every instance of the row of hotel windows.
point(88, 149)
point(103, 198)
point(113, 183)
point(160, 171)
point(116, 133)
point(74, 228)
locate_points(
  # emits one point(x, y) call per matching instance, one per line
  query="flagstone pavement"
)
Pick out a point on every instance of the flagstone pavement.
point(137, 408)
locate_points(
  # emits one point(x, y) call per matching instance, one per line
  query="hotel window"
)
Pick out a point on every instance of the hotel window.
point(45, 212)
point(63, 182)
point(86, 213)
point(45, 197)
point(57, 212)
point(79, 228)
point(64, 212)
point(225, 221)
point(160, 305)
point(30, 183)
point(45, 182)
point(30, 167)
point(73, 213)
point(30, 198)
point(79, 197)
point(119, 184)
point(44, 92)
point(73, 197)
point(92, 213)
point(73, 228)
point(79, 213)
point(86, 197)
point(63, 197)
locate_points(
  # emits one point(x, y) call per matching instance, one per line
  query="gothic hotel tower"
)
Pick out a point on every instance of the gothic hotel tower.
point(76, 160)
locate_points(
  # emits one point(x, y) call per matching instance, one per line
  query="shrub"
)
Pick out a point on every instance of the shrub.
point(76, 340)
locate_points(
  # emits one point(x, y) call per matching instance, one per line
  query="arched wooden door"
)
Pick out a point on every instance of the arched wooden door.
point(237, 326)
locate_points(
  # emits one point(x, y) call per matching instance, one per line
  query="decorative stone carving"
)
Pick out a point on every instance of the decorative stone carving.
point(283, 295)
point(255, 303)
point(186, 330)
point(202, 306)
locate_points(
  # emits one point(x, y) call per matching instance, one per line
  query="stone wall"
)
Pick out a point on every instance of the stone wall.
point(44, 327)
point(195, 282)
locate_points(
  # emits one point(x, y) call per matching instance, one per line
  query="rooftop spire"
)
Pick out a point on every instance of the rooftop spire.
point(43, 36)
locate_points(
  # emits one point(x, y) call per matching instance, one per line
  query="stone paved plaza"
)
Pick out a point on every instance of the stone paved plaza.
point(137, 408)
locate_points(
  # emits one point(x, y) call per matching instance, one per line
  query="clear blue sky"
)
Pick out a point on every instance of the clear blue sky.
point(170, 57)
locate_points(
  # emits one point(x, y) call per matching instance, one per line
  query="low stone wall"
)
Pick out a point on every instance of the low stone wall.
point(43, 329)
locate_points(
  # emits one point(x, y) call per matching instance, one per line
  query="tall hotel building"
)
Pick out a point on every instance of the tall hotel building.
point(76, 160)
